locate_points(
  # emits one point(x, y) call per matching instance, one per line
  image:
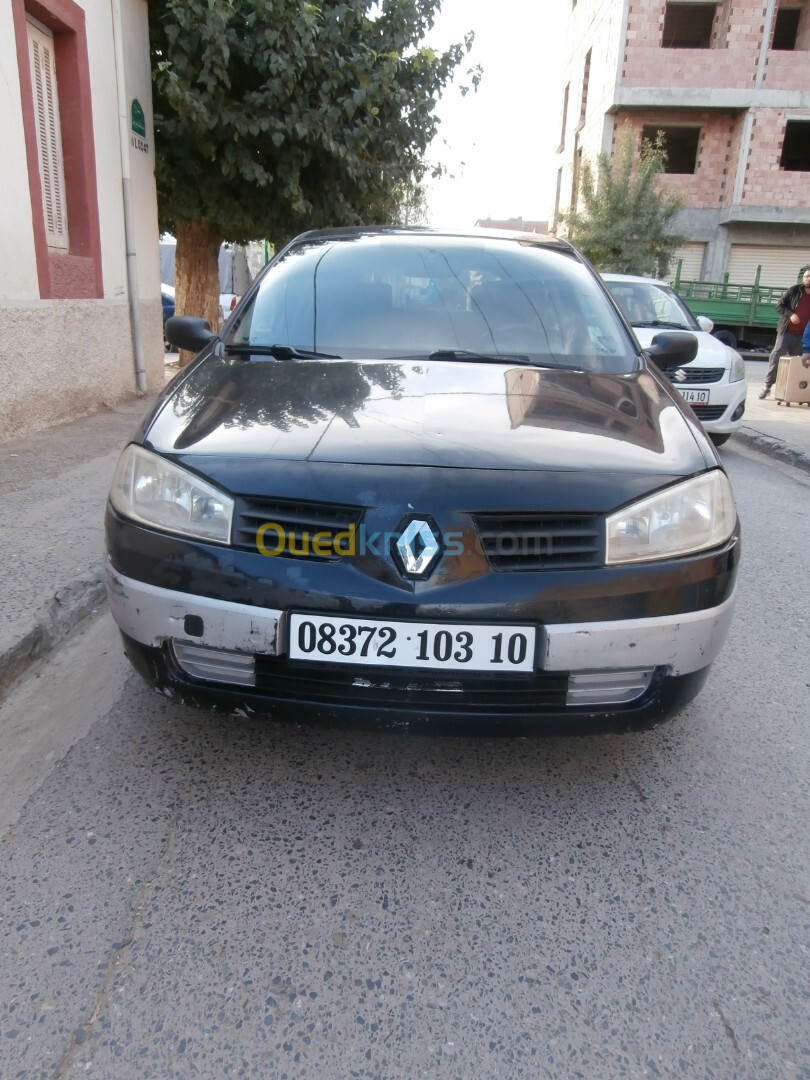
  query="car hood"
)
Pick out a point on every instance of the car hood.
point(711, 352)
point(408, 413)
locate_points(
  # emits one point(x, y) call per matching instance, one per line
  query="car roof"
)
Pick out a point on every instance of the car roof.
point(355, 232)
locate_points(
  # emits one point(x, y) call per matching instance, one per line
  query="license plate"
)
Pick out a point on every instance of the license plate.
point(388, 643)
point(694, 397)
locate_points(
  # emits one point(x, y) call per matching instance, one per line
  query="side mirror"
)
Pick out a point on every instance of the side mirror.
point(188, 332)
point(705, 323)
point(672, 349)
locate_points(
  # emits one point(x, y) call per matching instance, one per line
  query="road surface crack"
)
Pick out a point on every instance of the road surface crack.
point(728, 1028)
point(121, 957)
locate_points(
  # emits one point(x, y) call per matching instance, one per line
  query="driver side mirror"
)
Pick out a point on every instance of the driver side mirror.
point(672, 349)
point(188, 332)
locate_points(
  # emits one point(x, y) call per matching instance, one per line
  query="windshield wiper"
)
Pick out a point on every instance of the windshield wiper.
point(491, 358)
point(280, 352)
point(668, 325)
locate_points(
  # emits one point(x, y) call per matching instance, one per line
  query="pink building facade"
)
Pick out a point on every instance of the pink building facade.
point(729, 85)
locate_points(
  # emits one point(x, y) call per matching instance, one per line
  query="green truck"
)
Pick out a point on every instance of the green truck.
point(744, 316)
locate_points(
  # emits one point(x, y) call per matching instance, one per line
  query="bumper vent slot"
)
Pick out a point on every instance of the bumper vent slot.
point(394, 687)
point(541, 541)
point(697, 375)
point(299, 524)
point(708, 412)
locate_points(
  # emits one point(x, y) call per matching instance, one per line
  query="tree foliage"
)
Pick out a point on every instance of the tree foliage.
point(411, 205)
point(626, 226)
point(276, 116)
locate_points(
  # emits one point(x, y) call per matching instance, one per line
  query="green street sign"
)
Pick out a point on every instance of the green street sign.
point(138, 119)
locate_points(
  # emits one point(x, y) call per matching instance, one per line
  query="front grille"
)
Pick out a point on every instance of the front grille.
point(541, 541)
point(383, 688)
point(298, 523)
point(708, 412)
point(696, 375)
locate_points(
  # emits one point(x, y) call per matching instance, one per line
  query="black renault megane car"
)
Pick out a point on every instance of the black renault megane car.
point(428, 478)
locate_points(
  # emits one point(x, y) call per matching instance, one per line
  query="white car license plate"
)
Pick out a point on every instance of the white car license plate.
point(694, 397)
point(384, 642)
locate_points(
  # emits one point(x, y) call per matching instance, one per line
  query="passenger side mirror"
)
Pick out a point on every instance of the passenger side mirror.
point(672, 349)
point(188, 332)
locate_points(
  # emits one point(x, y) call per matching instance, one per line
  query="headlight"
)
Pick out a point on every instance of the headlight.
point(149, 489)
point(737, 372)
point(692, 516)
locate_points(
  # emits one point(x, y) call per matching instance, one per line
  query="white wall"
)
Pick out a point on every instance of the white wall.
point(142, 165)
point(137, 81)
point(101, 57)
point(598, 25)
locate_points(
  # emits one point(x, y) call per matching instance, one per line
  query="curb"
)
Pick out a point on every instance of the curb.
point(773, 448)
point(52, 623)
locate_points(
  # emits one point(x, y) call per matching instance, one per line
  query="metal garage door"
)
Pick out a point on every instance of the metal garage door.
point(692, 262)
point(780, 266)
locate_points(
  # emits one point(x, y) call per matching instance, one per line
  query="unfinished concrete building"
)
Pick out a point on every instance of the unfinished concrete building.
point(728, 84)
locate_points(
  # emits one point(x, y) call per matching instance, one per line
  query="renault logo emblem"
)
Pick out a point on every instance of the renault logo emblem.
point(418, 547)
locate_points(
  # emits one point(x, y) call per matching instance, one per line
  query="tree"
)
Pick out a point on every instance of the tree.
point(626, 225)
point(276, 116)
point(411, 206)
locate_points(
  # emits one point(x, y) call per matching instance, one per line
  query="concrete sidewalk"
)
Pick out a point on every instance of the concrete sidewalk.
point(781, 431)
point(53, 491)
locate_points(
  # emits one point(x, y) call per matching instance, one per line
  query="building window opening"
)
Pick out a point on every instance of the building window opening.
point(680, 143)
point(564, 119)
point(688, 26)
point(786, 28)
point(586, 75)
point(796, 147)
point(575, 174)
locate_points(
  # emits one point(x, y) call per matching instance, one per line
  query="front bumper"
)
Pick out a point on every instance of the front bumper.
point(592, 675)
point(680, 643)
point(728, 396)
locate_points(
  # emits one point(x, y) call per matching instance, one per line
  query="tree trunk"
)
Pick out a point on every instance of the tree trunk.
point(196, 275)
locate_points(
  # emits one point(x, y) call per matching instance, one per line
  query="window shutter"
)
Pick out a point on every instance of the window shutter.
point(49, 136)
point(691, 256)
point(780, 265)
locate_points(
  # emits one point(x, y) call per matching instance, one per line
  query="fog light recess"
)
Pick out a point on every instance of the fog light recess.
point(215, 665)
point(607, 687)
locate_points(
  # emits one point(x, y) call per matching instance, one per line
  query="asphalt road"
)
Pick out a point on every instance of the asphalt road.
point(186, 895)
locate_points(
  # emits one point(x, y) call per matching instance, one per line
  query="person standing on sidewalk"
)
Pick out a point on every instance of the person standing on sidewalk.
point(794, 315)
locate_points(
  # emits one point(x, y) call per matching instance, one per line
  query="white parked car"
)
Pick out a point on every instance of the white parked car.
point(714, 382)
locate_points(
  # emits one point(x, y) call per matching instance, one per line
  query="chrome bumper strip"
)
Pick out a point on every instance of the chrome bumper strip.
point(153, 615)
point(683, 643)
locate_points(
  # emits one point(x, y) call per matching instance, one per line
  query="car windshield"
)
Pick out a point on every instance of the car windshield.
point(648, 303)
point(385, 296)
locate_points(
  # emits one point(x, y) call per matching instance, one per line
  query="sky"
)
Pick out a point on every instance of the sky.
point(498, 143)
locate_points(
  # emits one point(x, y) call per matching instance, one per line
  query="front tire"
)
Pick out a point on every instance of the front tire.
point(727, 337)
point(719, 440)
